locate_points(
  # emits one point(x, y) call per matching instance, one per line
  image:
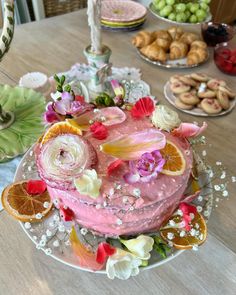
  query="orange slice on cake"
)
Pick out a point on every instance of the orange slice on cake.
point(60, 128)
point(174, 160)
point(25, 206)
point(183, 239)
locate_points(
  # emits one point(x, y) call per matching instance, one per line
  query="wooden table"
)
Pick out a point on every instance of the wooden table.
point(52, 46)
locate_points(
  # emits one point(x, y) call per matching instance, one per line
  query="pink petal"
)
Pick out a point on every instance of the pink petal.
point(189, 130)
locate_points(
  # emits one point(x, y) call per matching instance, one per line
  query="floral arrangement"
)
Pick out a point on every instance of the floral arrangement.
point(145, 154)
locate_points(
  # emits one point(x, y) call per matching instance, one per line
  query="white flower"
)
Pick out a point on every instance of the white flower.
point(88, 184)
point(164, 118)
point(122, 265)
point(140, 247)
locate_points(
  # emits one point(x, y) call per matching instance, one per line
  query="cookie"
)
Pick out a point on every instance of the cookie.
point(214, 84)
point(189, 98)
point(228, 91)
point(182, 105)
point(223, 99)
point(206, 94)
point(211, 106)
point(178, 87)
point(188, 81)
point(200, 77)
point(174, 78)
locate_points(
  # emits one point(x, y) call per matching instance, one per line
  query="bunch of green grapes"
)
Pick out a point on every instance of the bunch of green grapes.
point(183, 11)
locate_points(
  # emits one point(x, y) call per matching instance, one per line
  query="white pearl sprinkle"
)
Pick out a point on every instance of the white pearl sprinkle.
point(96, 110)
point(44, 237)
point(46, 205)
point(223, 175)
point(48, 251)
point(200, 198)
point(83, 231)
point(182, 233)
point(104, 203)
point(61, 228)
point(206, 213)
point(56, 244)
point(48, 233)
point(233, 179)
point(217, 187)
point(27, 225)
point(225, 193)
point(192, 232)
point(119, 221)
point(136, 192)
point(131, 208)
point(199, 209)
point(118, 187)
point(218, 163)
point(38, 216)
point(170, 236)
point(29, 168)
point(42, 243)
point(204, 153)
point(31, 153)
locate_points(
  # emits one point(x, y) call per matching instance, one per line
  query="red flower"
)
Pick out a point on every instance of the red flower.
point(104, 250)
point(143, 107)
point(36, 187)
point(79, 98)
point(67, 214)
point(187, 209)
point(114, 166)
point(99, 131)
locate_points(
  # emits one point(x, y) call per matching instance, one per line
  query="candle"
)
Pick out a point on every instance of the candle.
point(94, 21)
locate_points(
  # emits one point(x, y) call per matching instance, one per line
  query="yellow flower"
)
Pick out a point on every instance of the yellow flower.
point(88, 184)
point(140, 247)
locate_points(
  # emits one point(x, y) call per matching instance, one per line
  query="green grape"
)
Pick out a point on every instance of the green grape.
point(188, 14)
point(166, 11)
point(170, 2)
point(193, 19)
point(206, 1)
point(189, 5)
point(194, 7)
point(181, 7)
point(183, 16)
point(204, 6)
point(172, 16)
point(179, 18)
point(161, 4)
point(200, 14)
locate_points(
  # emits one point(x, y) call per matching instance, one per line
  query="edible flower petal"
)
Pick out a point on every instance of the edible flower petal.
point(66, 213)
point(50, 116)
point(122, 265)
point(85, 257)
point(187, 209)
point(99, 131)
point(140, 247)
point(114, 166)
point(104, 250)
point(88, 184)
point(144, 107)
point(36, 187)
point(80, 98)
point(189, 130)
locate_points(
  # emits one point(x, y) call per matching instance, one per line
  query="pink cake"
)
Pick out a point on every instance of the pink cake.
point(121, 207)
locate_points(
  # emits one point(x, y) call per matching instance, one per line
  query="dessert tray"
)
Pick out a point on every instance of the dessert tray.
point(58, 245)
point(155, 13)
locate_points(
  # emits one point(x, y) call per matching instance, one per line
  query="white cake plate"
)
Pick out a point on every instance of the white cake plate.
point(64, 253)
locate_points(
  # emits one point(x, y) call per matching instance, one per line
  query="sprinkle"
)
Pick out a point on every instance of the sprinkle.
point(38, 216)
point(136, 192)
point(42, 243)
point(204, 153)
point(98, 206)
point(197, 225)
point(105, 204)
point(199, 209)
point(56, 244)
point(131, 208)
point(27, 225)
point(46, 205)
point(67, 243)
point(103, 119)
point(90, 122)
point(56, 202)
point(211, 174)
point(44, 237)
point(119, 221)
point(195, 247)
point(187, 152)
point(48, 251)
point(111, 192)
point(225, 193)
point(192, 232)
point(180, 212)
point(233, 178)
point(83, 231)
point(48, 233)
point(96, 110)
point(206, 213)
point(223, 175)
point(118, 187)
point(217, 199)
point(170, 236)
point(218, 163)
point(182, 233)
point(61, 228)
point(200, 198)
point(56, 217)
point(125, 199)
point(217, 187)
point(29, 168)
point(171, 223)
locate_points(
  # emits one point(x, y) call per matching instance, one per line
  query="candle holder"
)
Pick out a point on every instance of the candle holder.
point(100, 69)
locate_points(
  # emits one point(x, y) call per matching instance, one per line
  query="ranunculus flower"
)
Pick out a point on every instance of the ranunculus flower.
point(189, 130)
point(146, 168)
point(140, 247)
point(88, 184)
point(164, 118)
point(122, 265)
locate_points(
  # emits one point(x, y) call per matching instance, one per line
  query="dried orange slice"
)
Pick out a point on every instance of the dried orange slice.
point(24, 206)
point(60, 128)
point(182, 239)
point(175, 162)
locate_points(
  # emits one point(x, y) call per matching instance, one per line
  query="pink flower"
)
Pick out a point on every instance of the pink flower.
point(144, 107)
point(146, 168)
point(104, 250)
point(187, 209)
point(99, 131)
point(50, 116)
point(189, 130)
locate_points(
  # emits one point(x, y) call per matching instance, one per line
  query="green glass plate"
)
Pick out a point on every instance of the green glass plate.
point(28, 107)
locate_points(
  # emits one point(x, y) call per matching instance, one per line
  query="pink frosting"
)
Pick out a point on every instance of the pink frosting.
point(119, 210)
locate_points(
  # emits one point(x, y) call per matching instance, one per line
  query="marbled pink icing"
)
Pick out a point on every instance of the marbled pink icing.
point(110, 213)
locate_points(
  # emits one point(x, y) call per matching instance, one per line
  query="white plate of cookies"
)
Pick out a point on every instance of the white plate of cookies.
point(171, 48)
point(200, 95)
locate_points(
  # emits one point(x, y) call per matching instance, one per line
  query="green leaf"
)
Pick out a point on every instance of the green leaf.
point(62, 81)
point(67, 88)
point(56, 78)
point(59, 88)
point(160, 246)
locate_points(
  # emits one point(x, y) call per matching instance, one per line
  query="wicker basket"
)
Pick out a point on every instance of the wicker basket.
point(56, 7)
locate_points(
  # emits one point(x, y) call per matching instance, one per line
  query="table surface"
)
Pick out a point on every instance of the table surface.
point(52, 46)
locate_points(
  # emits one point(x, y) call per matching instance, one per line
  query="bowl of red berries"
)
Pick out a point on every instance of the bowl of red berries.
point(215, 33)
point(225, 57)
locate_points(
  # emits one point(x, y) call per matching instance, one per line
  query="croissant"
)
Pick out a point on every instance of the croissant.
point(196, 56)
point(163, 43)
point(189, 38)
point(162, 34)
point(178, 50)
point(142, 39)
point(154, 52)
point(198, 44)
point(175, 32)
